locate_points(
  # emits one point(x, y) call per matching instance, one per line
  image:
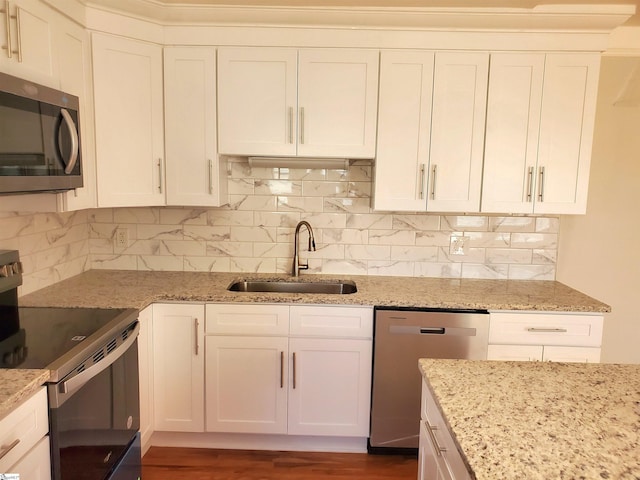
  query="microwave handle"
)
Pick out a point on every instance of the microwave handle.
point(73, 132)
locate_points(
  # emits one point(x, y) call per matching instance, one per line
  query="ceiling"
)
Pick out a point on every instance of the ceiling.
point(527, 4)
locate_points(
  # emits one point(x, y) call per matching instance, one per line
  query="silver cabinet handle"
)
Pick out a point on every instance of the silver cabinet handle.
point(422, 168)
point(301, 121)
point(160, 175)
point(290, 120)
point(434, 172)
point(19, 50)
point(294, 370)
point(541, 185)
point(210, 177)
point(546, 330)
point(196, 324)
point(529, 184)
point(75, 144)
point(8, 448)
point(281, 369)
point(439, 450)
point(7, 23)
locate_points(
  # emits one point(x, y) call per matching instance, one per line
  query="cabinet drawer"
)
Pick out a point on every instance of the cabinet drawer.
point(247, 319)
point(35, 465)
point(340, 322)
point(545, 329)
point(22, 429)
point(446, 453)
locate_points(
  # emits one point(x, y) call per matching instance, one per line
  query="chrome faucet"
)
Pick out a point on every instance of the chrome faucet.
point(297, 266)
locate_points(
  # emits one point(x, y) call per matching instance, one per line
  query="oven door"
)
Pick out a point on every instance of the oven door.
point(95, 414)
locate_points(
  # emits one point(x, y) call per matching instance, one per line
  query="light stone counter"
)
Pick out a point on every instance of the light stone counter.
point(541, 420)
point(18, 385)
point(137, 289)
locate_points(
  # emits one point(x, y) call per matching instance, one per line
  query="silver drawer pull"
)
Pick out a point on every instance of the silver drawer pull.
point(546, 330)
point(439, 450)
point(8, 448)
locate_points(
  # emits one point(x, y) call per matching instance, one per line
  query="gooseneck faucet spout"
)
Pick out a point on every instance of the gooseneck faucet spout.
point(297, 266)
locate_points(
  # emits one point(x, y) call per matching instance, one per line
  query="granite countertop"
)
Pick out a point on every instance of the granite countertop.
point(17, 386)
point(541, 420)
point(137, 289)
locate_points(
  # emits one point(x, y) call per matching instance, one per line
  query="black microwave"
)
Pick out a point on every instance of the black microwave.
point(39, 138)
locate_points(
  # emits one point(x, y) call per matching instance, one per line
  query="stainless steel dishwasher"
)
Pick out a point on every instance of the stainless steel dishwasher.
point(401, 337)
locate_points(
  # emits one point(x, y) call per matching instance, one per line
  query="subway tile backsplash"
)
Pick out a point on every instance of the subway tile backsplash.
point(254, 233)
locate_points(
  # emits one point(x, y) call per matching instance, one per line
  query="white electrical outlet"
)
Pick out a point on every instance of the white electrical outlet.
point(122, 238)
point(458, 245)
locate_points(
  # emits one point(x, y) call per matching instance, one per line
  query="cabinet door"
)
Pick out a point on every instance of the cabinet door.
point(571, 354)
point(246, 384)
point(193, 168)
point(74, 61)
point(35, 465)
point(515, 353)
point(337, 102)
point(330, 387)
point(129, 124)
point(511, 139)
point(28, 39)
point(457, 131)
point(145, 365)
point(257, 101)
point(178, 367)
point(404, 129)
point(566, 132)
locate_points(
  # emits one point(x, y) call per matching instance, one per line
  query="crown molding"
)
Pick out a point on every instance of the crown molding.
point(567, 18)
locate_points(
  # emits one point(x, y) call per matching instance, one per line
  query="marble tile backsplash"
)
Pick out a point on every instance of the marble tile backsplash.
point(52, 246)
point(254, 233)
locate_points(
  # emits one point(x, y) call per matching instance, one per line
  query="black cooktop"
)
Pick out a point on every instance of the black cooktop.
point(57, 338)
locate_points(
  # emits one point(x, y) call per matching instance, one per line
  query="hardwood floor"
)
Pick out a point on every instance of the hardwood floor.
point(162, 463)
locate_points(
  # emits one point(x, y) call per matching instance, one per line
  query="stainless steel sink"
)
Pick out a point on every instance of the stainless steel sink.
point(339, 287)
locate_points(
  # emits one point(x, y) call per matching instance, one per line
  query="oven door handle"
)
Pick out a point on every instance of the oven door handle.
point(70, 386)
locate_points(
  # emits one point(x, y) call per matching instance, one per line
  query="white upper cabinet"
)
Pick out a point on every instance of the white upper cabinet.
point(257, 100)
point(27, 31)
point(540, 118)
point(566, 132)
point(195, 176)
point(129, 121)
point(337, 102)
point(74, 68)
point(310, 102)
point(431, 131)
point(457, 131)
point(404, 130)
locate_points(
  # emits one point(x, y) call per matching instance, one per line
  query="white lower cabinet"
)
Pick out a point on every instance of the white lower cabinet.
point(145, 366)
point(544, 336)
point(330, 387)
point(246, 384)
point(178, 367)
point(24, 440)
point(539, 353)
point(308, 373)
point(438, 456)
point(35, 465)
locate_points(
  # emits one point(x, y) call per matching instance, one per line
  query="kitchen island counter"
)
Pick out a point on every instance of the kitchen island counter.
point(137, 289)
point(540, 420)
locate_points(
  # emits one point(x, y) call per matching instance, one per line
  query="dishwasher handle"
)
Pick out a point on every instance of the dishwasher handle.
point(432, 330)
point(420, 330)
